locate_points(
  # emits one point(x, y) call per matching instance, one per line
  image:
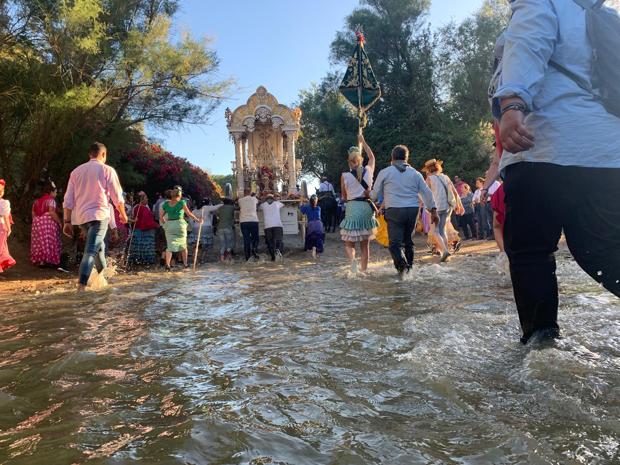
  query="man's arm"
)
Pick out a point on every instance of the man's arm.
point(68, 205)
point(116, 195)
point(530, 41)
point(426, 193)
point(377, 188)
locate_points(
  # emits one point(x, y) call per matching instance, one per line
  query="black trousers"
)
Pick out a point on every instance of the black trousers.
point(543, 199)
point(467, 225)
point(249, 230)
point(401, 224)
point(273, 238)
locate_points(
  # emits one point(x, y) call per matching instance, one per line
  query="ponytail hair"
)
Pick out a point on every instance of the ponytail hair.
point(355, 159)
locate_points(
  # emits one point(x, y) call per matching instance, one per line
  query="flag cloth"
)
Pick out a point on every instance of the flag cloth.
point(360, 86)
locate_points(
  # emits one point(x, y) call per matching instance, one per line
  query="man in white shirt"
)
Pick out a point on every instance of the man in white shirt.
point(326, 186)
point(274, 230)
point(248, 222)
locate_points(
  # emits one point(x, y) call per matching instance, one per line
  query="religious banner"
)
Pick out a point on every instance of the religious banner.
point(359, 85)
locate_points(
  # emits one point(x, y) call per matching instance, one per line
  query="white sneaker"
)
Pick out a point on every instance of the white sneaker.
point(278, 256)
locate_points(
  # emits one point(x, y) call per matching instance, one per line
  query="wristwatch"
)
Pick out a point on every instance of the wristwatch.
point(516, 106)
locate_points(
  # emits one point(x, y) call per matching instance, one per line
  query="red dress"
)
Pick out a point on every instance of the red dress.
point(6, 261)
point(498, 205)
point(45, 243)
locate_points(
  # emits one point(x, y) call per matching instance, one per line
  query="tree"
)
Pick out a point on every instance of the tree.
point(84, 70)
point(222, 180)
point(329, 129)
point(467, 52)
point(434, 90)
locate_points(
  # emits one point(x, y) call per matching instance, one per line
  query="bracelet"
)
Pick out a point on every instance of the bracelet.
point(514, 106)
point(67, 221)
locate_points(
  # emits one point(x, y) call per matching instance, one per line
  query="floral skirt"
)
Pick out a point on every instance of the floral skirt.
point(6, 261)
point(359, 223)
point(142, 250)
point(45, 243)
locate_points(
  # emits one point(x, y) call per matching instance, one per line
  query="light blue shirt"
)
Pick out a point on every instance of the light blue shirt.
point(571, 127)
point(401, 190)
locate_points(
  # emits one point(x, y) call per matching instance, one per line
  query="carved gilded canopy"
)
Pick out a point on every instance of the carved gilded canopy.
point(262, 107)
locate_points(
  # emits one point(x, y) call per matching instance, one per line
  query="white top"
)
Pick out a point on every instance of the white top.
point(440, 183)
point(271, 214)
point(5, 207)
point(494, 188)
point(209, 211)
point(477, 195)
point(353, 186)
point(248, 206)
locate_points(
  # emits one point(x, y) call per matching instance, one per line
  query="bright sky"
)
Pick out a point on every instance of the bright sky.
point(281, 44)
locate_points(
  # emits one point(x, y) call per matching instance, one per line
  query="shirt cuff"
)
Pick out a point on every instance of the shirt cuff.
point(507, 91)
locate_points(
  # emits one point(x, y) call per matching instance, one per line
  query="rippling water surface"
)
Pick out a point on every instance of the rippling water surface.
point(301, 363)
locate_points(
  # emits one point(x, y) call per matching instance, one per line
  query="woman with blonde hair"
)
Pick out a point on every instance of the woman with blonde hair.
point(172, 217)
point(359, 224)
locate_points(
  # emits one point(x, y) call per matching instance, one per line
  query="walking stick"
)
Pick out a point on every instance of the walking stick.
point(131, 237)
point(202, 220)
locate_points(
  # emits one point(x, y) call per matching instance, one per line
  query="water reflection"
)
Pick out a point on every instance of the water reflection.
point(301, 363)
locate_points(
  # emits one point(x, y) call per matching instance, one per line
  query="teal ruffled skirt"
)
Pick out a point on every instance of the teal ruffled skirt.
point(359, 223)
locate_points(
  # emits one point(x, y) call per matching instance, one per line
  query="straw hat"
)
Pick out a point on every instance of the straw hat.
point(431, 162)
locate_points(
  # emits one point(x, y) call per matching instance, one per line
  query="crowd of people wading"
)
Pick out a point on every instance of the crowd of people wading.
point(556, 170)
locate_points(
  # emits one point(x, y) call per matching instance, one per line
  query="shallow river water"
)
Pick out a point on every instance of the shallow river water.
point(302, 363)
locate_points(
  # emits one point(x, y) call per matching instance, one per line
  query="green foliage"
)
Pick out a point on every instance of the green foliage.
point(329, 129)
point(223, 179)
point(75, 71)
point(434, 90)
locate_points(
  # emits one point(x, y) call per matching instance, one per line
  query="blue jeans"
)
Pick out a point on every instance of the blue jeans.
point(442, 234)
point(94, 250)
point(227, 239)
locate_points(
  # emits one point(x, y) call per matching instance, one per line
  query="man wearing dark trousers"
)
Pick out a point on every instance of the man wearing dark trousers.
point(399, 186)
point(561, 162)
point(248, 222)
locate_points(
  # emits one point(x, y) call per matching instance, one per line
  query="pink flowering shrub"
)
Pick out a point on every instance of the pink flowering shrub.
point(162, 170)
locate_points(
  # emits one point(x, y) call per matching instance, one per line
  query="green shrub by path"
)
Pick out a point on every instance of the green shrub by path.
point(75, 72)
